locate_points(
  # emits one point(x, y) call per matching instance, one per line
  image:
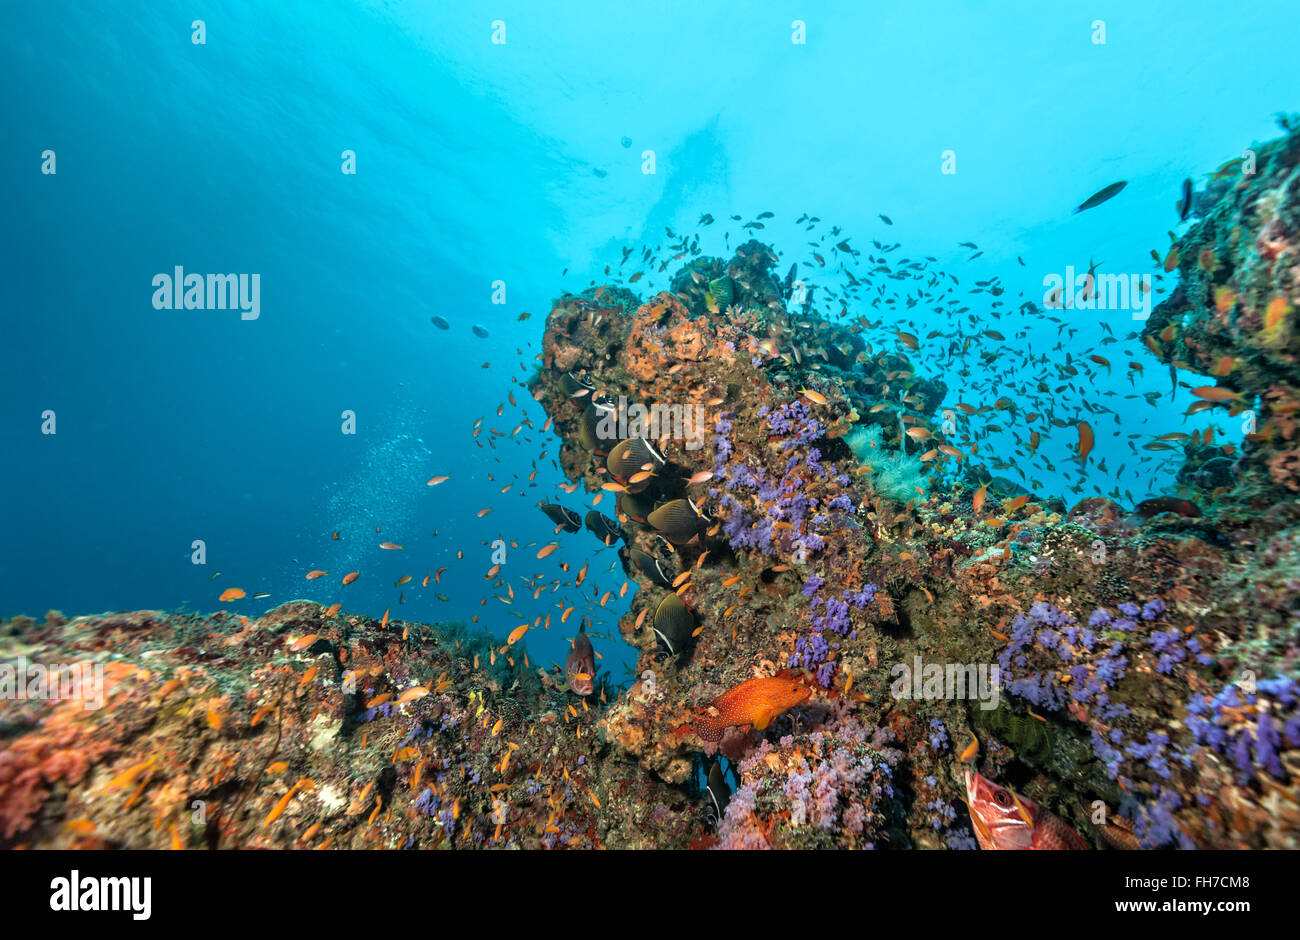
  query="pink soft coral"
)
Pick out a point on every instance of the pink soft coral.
point(32, 764)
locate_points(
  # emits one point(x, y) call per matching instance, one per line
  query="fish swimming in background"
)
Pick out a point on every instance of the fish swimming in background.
point(1185, 201)
point(718, 791)
point(580, 667)
point(755, 702)
point(1002, 819)
point(1149, 508)
point(1089, 280)
point(1227, 169)
point(808, 301)
point(1102, 195)
point(1086, 441)
point(787, 287)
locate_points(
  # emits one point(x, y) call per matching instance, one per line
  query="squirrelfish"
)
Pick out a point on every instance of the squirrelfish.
point(1002, 819)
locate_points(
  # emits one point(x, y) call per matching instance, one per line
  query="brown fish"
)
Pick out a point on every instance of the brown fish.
point(1150, 508)
point(1102, 195)
point(679, 520)
point(580, 667)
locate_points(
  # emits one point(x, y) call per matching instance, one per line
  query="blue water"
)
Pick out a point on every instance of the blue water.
point(479, 162)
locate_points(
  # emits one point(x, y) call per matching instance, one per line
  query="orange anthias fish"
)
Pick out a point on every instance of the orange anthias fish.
point(1002, 819)
point(1086, 440)
point(755, 702)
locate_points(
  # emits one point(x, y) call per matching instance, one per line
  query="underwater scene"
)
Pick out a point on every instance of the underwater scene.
point(680, 426)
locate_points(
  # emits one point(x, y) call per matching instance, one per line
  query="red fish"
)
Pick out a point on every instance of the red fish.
point(1002, 819)
point(580, 667)
point(755, 702)
point(1156, 505)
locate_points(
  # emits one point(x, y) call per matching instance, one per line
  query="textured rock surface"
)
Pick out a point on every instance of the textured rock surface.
point(1120, 634)
point(1233, 316)
point(209, 723)
point(838, 530)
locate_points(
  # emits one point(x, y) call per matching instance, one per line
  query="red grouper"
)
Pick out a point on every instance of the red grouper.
point(1003, 819)
point(755, 702)
point(580, 667)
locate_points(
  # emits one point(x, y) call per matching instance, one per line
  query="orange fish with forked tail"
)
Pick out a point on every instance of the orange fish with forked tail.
point(755, 702)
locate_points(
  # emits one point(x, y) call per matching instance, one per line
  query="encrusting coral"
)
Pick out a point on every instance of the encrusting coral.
point(826, 539)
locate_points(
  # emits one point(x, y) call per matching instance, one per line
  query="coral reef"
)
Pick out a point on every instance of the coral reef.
point(1232, 316)
point(833, 598)
point(303, 730)
point(844, 534)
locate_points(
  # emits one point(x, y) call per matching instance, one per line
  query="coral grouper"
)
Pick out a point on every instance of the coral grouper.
point(755, 702)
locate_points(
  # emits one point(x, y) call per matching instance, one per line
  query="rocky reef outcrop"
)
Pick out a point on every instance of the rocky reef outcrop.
point(1147, 655)
point(834, 597)
point(1232, 316)
point(305, 728)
